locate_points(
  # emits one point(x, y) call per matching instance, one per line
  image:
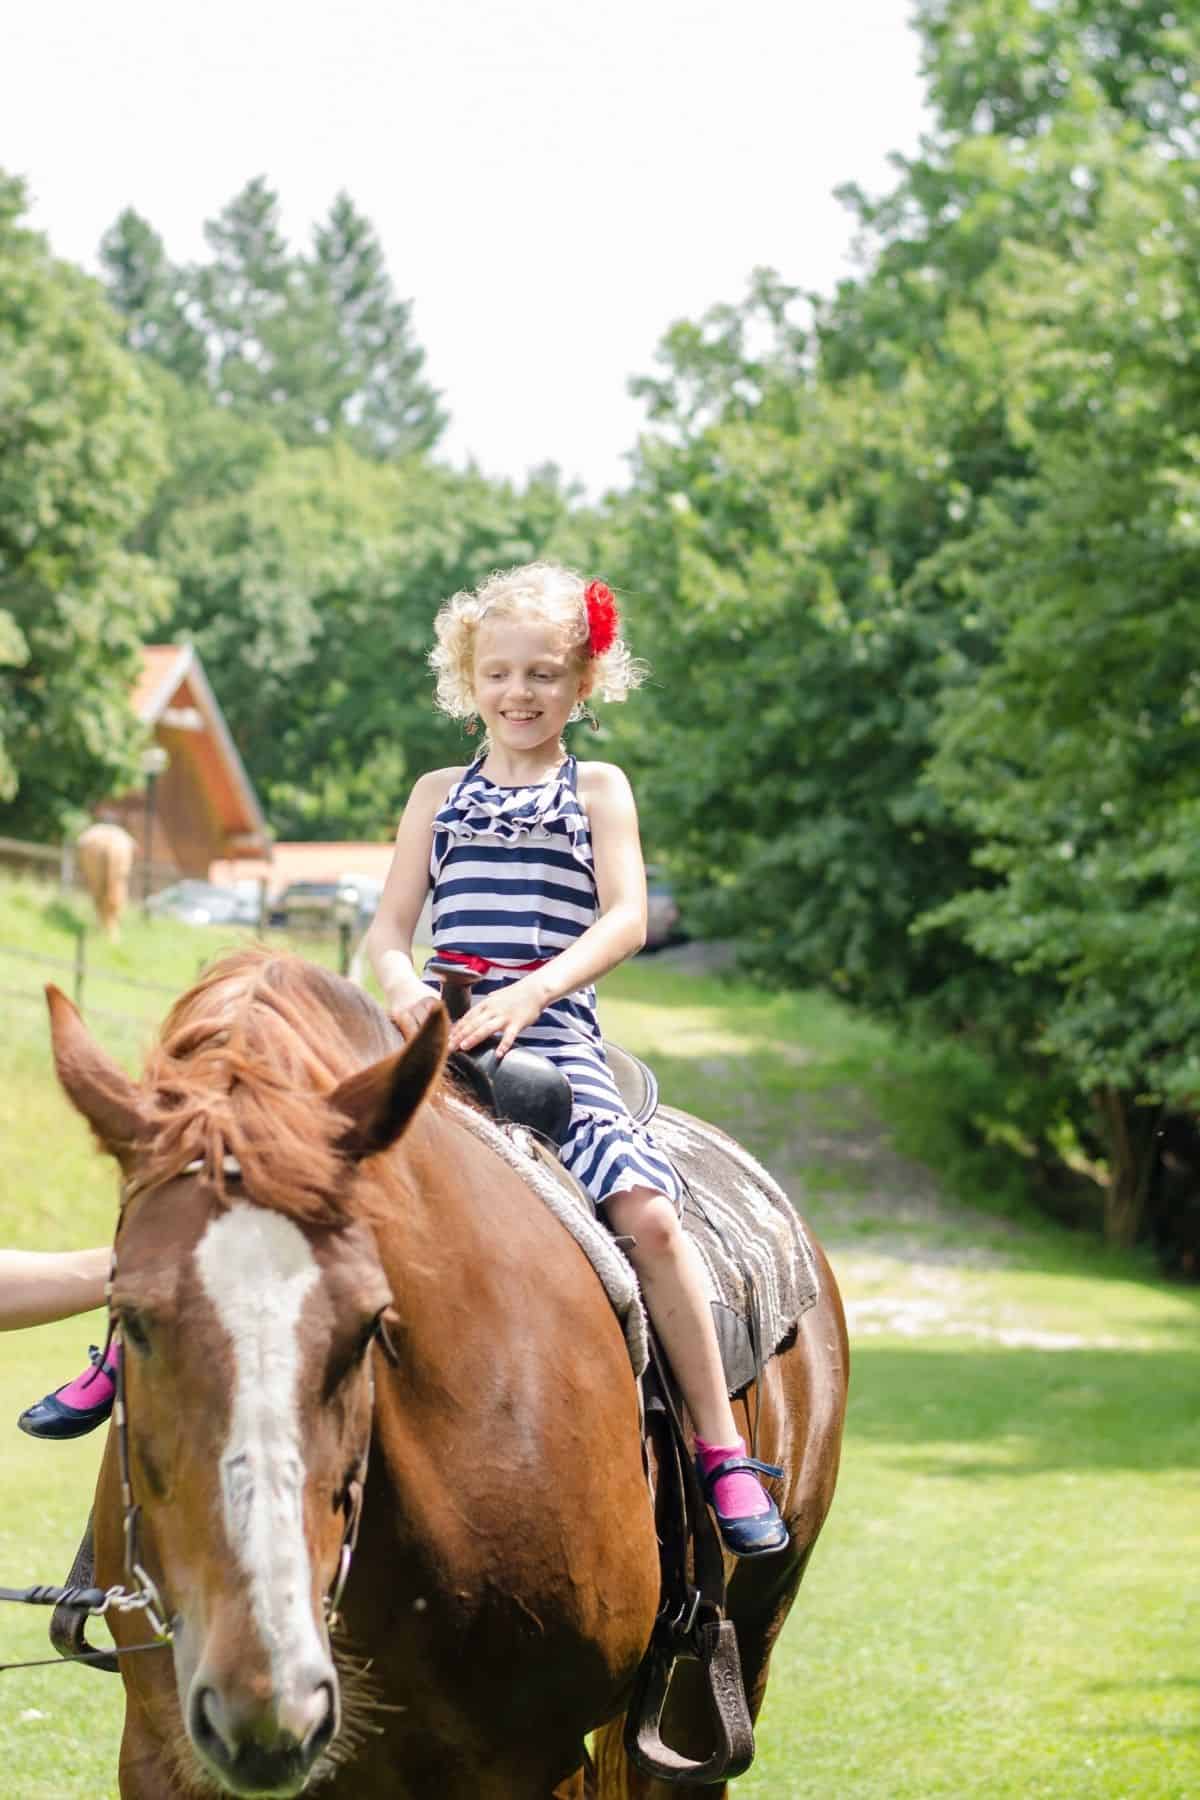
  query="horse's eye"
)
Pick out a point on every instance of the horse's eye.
point(134, 1332)
point(348, 1358)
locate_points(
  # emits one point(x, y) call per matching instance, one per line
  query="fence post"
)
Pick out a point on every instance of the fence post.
point(344, 929)
point(80, 963)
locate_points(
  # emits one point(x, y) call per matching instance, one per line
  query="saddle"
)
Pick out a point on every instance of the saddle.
point(524, 1088)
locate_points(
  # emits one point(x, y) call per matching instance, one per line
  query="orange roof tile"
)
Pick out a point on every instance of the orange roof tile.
point(154, 685)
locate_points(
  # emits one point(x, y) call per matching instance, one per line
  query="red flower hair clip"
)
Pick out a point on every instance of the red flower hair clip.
point(602, 617)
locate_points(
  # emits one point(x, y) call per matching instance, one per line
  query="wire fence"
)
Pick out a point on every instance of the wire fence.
point(81, 977)
point(76, 967)
point(55, 866)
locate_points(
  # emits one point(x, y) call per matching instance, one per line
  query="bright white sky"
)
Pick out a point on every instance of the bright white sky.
point(553, 183)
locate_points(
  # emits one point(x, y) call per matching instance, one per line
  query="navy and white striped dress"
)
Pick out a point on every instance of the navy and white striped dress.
point(514, 882)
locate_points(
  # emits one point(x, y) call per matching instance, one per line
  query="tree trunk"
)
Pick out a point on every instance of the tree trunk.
point(1130, 1131)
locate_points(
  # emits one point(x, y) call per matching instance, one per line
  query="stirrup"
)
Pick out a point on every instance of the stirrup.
point(713, 1644)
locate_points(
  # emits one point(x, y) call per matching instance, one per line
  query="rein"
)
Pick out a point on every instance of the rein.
point(142, 1594)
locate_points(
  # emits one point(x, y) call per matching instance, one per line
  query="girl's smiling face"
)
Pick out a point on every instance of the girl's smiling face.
point(526, 682)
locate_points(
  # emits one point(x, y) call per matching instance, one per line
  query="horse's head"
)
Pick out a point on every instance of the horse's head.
point(246, 1330)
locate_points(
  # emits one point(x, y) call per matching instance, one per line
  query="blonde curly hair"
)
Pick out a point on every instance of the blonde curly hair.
point(537, 592)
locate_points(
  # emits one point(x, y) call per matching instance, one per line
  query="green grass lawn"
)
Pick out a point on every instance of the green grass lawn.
point(1004, 1603)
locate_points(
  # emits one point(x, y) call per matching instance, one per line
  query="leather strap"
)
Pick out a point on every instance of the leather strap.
point(691, 1622)
point(732, 1464)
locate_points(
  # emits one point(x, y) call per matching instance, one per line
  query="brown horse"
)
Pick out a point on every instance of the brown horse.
point(316, 1248)
point(106, 853)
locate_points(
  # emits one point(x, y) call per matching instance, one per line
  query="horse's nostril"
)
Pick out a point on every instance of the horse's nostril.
point(254, 1747)
point(206, 1723)
point(323, 1717)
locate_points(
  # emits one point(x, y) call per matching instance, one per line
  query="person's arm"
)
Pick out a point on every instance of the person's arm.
point(39, 1286)
point(616, 934)
point(389, 939)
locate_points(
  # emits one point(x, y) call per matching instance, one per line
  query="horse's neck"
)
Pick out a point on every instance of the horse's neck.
point(470, 1226)
point(455, 1195)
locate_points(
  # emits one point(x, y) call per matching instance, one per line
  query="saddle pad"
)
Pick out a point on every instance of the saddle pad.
point(756, 1258)
point(566, 1200)
point(758, 1261)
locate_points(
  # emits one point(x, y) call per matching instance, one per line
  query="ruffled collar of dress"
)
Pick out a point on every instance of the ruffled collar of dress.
point(476, 807)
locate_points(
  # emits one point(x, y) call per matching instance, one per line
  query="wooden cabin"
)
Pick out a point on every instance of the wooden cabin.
point(200, 807)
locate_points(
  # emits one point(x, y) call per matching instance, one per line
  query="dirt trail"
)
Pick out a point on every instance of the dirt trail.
point(910, 1259)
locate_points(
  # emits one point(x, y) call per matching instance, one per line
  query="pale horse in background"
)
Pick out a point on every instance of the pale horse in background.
point(106, 854)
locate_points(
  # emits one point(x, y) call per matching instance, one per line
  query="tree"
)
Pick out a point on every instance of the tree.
point(314, 347)
point(311, 594)
point(770, 559)
point(152, 295)
point(79, 455)
point(885, 564)
point(385, 407)
point(1006, 70)
point(1071, 753)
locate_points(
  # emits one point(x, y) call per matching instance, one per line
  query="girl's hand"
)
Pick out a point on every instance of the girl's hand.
point(409, 1011)
point(505, 1013)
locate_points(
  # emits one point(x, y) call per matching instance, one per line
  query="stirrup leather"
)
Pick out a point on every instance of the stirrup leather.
point(691, 1621)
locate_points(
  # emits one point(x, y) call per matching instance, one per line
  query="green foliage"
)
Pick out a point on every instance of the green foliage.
point(1007, 67)
point(152, 296)
point(316, 347)
point(919, 586)
point(1071, 753)
point(770, 568)
point(310, 594)
point(79, 454)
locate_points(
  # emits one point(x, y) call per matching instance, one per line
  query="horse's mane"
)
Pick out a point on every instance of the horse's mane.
point(239, 1069)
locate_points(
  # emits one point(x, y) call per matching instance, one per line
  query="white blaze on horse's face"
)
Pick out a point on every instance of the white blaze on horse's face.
point(257, 1269)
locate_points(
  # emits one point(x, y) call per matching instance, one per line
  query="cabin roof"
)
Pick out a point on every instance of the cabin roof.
point(172, 695)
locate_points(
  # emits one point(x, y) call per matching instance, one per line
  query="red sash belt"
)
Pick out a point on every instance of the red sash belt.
point(481, 964)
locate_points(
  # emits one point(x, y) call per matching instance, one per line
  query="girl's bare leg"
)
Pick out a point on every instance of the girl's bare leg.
point(672, 1278)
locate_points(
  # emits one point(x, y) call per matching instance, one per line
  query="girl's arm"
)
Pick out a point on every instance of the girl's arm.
point(38, 1286)
point(389, 939)
point(616, 934)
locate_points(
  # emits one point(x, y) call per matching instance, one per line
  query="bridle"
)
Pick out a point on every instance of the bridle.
point(141, 1592)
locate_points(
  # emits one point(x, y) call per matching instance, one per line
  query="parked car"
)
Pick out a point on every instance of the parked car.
point(662, 909)
point(318, 905)
point(198, 902)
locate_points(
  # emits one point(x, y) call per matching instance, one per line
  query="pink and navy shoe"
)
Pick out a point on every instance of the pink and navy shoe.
point(74, 1410)
point(752, 1525)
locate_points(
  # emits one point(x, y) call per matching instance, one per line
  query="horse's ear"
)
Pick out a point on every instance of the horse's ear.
point(378, 1102)
point(94, 1084)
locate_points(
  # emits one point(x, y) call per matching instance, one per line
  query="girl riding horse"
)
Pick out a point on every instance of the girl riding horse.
point(538, 886)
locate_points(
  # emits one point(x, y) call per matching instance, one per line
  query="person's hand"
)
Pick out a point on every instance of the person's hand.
point(505, 1014)
point(410, 1009)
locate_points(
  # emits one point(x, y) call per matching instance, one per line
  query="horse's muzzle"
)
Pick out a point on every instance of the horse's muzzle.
point(266, 1750)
